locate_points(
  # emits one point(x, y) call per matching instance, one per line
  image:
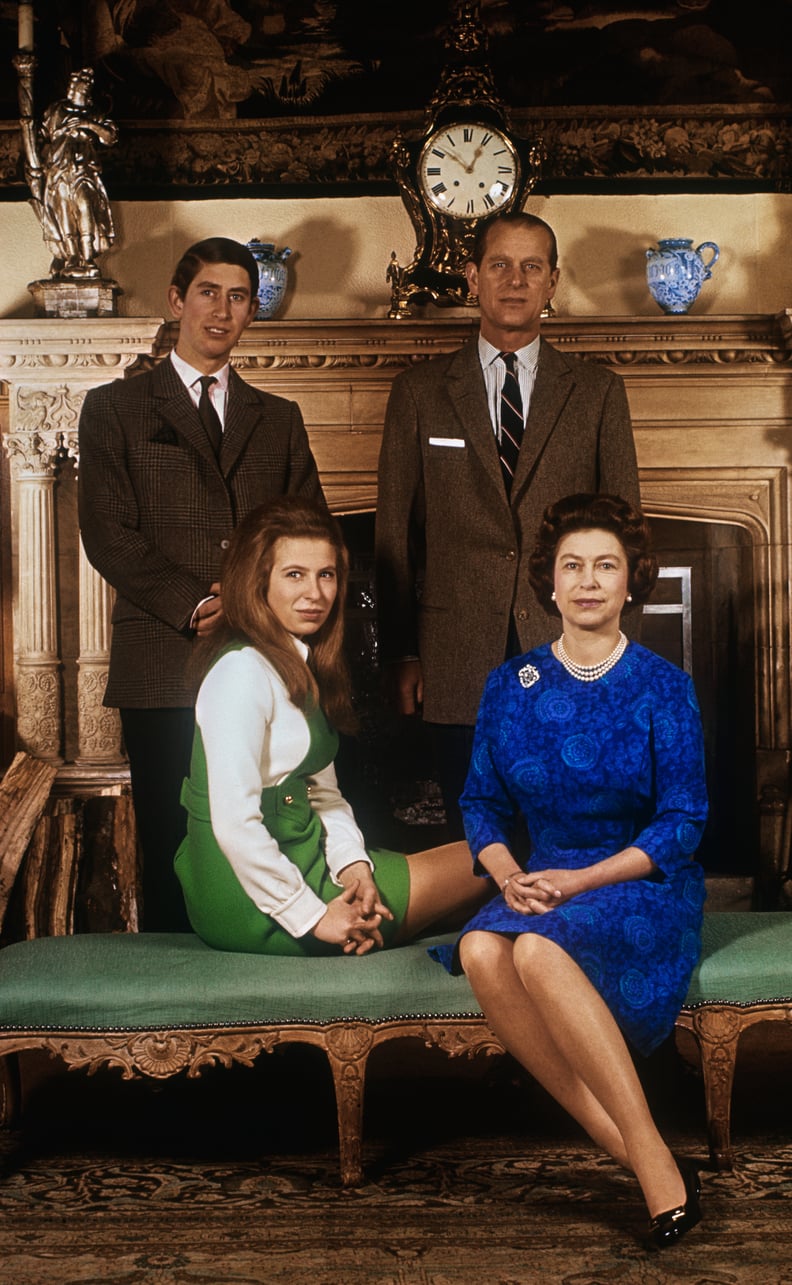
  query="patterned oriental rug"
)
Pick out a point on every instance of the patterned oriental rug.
point(471, 1180)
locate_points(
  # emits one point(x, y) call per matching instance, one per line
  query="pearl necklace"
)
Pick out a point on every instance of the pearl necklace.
point(590, 673)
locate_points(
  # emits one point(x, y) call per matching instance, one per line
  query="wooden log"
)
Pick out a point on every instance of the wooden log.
point(80, 871)
point(126, 849)
point(33, 879)
point(65, 854)
point(24, 791)
point(107, 894)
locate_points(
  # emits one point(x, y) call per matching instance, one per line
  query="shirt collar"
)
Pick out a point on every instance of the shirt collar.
point(527, 356)
point(189, 375)
point(302, 647)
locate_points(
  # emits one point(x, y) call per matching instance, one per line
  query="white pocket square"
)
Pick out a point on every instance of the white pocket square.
point(447, 441)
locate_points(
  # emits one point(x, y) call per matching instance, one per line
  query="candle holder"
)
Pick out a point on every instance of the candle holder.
point(25, 18)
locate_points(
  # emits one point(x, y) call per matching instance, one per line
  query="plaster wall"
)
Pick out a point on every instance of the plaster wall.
point(342, 246)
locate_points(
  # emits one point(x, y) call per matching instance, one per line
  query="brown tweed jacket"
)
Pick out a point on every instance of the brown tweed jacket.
point(452, 551)
point(157, 508)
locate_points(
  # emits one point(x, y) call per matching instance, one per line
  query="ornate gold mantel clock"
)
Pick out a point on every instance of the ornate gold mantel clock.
point(466, 167)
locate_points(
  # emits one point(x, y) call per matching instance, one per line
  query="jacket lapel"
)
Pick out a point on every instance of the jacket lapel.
point(468, 395)
point(243, 411)
point(177, 410)
point(555, 381)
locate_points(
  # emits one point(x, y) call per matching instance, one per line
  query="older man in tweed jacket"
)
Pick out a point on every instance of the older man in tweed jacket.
point(452, 541)
point(158, 500)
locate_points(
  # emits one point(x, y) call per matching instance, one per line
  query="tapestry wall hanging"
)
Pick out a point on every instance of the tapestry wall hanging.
point(261, 97)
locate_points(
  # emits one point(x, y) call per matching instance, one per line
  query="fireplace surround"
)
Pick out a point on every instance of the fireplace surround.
point(711, 401)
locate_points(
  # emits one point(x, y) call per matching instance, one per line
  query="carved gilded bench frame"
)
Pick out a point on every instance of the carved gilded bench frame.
point(347, 1045)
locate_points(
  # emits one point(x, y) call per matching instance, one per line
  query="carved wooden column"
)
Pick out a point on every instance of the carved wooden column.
point(47, 367)
point(33, 451)
point(99, 728)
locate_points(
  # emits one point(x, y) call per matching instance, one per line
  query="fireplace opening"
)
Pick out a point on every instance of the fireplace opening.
point(700, 618)
point(717, 633)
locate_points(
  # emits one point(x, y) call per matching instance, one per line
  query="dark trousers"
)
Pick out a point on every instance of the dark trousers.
point(159, 745)
point(452, 747)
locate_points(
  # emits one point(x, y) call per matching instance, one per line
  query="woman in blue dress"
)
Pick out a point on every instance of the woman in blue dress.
point(595, 744)
point(273, 861)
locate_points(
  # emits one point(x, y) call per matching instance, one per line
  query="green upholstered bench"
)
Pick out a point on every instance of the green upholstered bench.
point(158, 1004)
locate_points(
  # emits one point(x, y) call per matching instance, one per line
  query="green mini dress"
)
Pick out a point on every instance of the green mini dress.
point(220, 910)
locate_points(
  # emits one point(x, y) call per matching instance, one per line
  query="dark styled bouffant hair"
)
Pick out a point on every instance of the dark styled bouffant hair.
point(244, 580)
point(594, 512)
point(520, 220)
point(215, 249)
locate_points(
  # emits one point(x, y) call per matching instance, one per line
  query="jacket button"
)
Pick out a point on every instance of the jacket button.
point(522, 615)
point(288, 798)
point(224, 544)
point(511, 555)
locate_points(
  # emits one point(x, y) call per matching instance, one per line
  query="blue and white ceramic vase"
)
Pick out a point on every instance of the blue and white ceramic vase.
point(675, 271)
point(272, 276)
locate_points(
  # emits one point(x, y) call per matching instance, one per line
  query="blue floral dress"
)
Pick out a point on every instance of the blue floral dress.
point(594, 768)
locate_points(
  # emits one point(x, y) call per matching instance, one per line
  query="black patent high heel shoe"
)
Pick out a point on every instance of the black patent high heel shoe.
point(667, 1228)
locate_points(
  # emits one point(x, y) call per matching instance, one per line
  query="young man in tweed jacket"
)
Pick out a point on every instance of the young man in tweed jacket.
point(158, 502)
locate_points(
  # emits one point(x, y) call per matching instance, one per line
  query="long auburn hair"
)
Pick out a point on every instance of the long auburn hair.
point(245, 577)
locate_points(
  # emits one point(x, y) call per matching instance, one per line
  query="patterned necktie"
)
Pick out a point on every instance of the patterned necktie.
point(512, 423)
point(209, 416)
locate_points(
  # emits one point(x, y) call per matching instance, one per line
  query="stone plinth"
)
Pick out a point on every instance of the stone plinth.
point(76, 299)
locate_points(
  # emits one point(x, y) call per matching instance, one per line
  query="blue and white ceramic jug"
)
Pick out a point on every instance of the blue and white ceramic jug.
point(675, 272)
point(272, 276)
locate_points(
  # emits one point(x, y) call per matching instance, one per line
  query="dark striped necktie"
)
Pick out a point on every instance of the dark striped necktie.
point(512, 422)
point(209, 416)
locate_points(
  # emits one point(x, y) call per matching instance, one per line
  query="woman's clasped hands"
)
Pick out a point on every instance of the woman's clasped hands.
point(540, 891)
point(352, 920)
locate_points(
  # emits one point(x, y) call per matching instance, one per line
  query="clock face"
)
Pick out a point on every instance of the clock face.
point(467, 171)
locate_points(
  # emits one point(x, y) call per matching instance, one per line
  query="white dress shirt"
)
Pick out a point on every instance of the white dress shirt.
point(494, 372)
point(190, 377)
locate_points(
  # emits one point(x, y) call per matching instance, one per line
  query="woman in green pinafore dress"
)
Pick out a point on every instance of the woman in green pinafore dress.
point(273, 861)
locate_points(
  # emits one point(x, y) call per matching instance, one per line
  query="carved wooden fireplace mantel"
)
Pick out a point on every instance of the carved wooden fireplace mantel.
point(711, 400)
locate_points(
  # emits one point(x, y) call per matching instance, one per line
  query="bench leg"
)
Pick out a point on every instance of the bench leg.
point(347, 1047)
point(717, 1032)
point(9, 1090)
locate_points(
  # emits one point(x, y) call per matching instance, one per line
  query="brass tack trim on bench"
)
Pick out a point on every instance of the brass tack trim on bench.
point(247, 1024)
point(734, 1003)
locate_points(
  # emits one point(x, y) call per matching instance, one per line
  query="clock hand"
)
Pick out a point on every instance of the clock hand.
point(452, 156)
point(469, 168)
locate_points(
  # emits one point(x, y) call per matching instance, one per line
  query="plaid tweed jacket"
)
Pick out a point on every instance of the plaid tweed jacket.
point(157, 508)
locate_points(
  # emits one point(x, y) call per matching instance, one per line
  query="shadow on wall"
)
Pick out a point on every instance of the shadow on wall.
point(324, 260)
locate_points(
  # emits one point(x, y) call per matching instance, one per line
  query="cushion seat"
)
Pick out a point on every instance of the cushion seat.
point(149, 981)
